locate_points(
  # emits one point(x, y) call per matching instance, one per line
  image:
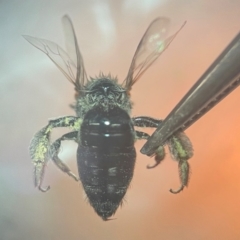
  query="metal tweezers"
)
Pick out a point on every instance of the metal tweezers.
point(220, 79)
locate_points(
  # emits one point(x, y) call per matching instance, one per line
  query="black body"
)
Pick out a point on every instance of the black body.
point(106, 158)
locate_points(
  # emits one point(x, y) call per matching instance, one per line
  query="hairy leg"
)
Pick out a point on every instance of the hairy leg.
point(181, 150)
point(179, 145)
point(40, 148)
point(55, 148)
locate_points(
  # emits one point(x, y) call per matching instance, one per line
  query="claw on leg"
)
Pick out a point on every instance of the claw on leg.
point(152, 166)
point(177, 191)
point(160, 154)
point(183, 168)
point(157, 161)
point(39, 170)
point(43, 189)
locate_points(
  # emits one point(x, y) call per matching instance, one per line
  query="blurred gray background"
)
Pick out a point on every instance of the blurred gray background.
point(33, 90)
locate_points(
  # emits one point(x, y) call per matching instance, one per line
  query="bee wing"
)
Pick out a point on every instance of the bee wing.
point(73, 50)
point(153, 43)
point(72, 68)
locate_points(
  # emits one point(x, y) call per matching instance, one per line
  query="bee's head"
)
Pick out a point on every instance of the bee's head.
point(106, 88)
point(106, 92)
point(103, 86)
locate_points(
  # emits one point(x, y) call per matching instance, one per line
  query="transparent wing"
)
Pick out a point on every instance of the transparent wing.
point(72, 67)
point(73, 50)
point(151, 46)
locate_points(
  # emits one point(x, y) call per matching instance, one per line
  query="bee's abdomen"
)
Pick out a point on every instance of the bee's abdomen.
point(106, 158)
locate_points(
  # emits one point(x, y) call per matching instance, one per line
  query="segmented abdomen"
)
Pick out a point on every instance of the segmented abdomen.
point(106, 158)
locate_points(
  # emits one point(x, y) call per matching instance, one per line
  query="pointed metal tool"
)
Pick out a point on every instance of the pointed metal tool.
point(220, 79)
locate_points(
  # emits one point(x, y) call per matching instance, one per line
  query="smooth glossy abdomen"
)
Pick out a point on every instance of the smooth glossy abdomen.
point(106, 158)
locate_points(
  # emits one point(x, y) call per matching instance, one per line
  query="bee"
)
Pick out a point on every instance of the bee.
point(103, 127)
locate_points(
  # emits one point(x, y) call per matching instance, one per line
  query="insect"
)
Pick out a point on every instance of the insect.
point(103, 127)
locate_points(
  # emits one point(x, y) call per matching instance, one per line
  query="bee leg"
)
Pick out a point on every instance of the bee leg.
point(141, 135)
point(39, 169)
point(40, 150)
point(55, 147)
point(144, 121)
point(181, 150)
point(160, 152)
point(159, 156)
